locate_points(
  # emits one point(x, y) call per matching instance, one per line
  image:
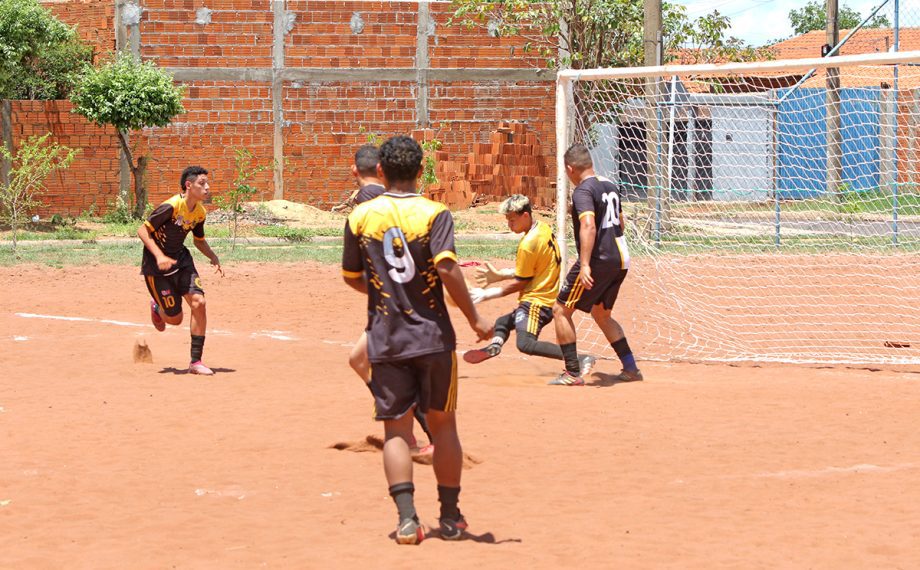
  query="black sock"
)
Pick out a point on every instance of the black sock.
point(621, 347)
point(197, 347)
point(404, 496)
point(449, 497)
point(570, 355)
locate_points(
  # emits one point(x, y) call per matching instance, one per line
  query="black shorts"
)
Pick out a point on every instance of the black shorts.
point(607, 281)
point(429, 381)
point(531, 318)
point(167, 290)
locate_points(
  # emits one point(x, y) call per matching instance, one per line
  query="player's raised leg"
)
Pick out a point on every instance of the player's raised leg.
point(503, 326)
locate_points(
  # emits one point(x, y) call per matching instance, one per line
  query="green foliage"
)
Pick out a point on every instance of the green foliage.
point(33, 162)
point(600, 33)
point(429, 162)
point(242, 191)
point(118, 212)
point(40, 56)
point(128, 94)
point(813, 16)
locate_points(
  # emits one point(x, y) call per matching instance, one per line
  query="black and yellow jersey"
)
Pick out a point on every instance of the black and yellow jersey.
point(168, 225)
point(394, 241)
point(368, 192)
point(538, 262)
point(600, 197)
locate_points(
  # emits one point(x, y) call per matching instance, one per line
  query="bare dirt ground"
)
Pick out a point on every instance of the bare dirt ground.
point(111, 464)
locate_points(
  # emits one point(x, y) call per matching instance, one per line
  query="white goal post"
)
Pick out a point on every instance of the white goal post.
point(773, 208)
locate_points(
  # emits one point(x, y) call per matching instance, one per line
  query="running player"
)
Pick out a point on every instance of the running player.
point(399, 249)
point(167, 265)
point(594, 281)
point(535, 278)
point(370, 186)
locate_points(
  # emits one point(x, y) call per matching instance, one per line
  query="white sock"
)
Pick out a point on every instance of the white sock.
point(497, 340)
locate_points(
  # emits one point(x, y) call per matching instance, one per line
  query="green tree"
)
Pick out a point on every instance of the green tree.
point(40, 56)
point(601, 33)
point(129, 95)
point(813, 16)
point(234, 199)
point(32, 163)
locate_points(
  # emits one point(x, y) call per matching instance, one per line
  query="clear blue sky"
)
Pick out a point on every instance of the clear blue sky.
point(759, 21)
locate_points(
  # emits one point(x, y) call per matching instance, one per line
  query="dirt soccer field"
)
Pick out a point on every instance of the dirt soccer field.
point(111, 464)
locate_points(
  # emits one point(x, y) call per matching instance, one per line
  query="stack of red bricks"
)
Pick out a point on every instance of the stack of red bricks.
point(510, 163)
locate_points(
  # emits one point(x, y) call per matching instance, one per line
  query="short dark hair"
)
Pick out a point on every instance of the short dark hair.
point(578, 157)
point(366, 160)
point(401, 158)
point(190, 173)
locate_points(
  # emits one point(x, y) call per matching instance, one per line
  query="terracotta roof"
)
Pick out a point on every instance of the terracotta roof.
point(866, 40)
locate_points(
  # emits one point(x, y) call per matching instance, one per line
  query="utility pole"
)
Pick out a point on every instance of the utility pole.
point(653, 57)
point(832, 100)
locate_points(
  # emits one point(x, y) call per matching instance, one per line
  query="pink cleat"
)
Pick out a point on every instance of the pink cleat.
point(198, 367)
point(155, 318)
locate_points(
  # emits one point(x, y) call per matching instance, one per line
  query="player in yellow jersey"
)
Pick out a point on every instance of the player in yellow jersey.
point(535, 278)
point(399, 250)
point(167, 265)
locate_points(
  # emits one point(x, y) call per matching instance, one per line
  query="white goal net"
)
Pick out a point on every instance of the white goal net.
point(773, 208)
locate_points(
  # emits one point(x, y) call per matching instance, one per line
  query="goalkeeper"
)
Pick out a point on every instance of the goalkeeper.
point(535, 278)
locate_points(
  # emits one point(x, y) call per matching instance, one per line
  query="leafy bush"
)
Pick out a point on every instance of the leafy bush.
point(40, 56)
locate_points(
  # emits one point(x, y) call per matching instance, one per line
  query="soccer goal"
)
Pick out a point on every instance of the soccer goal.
point(773, 208)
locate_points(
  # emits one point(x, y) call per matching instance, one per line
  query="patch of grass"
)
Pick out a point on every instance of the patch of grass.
point(294, 235)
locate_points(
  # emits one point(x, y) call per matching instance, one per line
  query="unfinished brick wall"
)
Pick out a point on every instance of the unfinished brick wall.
point(94, 20)
point(92, 181)
point(349, 71)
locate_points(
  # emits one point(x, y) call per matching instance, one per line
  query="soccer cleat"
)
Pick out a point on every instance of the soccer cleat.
point(198, 367)
point(452, 529)
point(586, 362)
point(629, 376)
point(410, 531)
point(566, 379)
point(155, 318)
point(478, 355)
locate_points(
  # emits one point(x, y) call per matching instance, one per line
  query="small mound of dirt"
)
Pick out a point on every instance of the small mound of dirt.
point(375, 443)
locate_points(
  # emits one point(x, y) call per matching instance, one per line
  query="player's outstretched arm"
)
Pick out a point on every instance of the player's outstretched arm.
point(205, 248)
point(453, 280)
point(488, 274)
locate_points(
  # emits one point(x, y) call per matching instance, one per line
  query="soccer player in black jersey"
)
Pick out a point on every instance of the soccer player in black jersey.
point(167, 265)
point(399, 250)
point(370, 186)
point(594, 281)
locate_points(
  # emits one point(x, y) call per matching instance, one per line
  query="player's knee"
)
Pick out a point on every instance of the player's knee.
point(526, 344)
point(197, 302)
point(173, 319)
point(560, 310)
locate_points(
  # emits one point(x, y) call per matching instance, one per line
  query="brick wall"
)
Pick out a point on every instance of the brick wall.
point(323, 118)
point(92, 179)
point(94, 20)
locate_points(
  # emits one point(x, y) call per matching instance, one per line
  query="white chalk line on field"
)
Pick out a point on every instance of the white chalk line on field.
point(274, 335)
